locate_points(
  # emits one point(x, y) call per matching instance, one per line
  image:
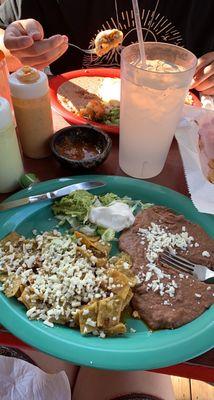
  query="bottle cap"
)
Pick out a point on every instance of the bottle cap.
point(6, 117)
point(23, 87)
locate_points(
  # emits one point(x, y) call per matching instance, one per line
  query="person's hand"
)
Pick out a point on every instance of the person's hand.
point(25, 40)
point(203, 80)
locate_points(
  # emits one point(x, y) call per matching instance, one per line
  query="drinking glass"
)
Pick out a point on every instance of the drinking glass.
point(151, 105)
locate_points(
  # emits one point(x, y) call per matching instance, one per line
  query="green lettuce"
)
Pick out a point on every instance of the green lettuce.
point(108, 198)
point(76, 205)
point(74, 209)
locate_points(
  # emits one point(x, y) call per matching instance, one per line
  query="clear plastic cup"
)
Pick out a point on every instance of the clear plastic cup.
point(151, 105)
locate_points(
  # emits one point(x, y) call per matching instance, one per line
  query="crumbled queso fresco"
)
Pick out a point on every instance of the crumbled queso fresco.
point(60, 281)
point(158, 239)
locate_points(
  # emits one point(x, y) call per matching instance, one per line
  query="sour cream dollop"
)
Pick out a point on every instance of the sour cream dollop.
point(117, 216)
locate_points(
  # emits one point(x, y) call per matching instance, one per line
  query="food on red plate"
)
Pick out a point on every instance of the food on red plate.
point(165, 298)
point(94, 98)
point(94, 110)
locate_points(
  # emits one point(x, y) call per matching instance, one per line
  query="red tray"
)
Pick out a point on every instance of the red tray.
point(69, 116)
point(57, 81)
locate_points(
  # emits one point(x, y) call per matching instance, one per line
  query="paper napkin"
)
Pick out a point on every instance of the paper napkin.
point(20, 380)
point(201, 190)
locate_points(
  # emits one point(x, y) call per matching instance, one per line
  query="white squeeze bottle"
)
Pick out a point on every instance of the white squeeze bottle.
point(31, 101)
point(11, 167)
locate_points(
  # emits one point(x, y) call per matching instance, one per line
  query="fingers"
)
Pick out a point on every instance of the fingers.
point(208, 92)
point(205, 60)
point(42, 54)
point(205, 84)
point(33, 29)
point(202, 76)
point(15, 37)
point(203, 80)
point(25, 40)
point(22, 34)
point(45, 59)
point(42, 47)
point(44, 65)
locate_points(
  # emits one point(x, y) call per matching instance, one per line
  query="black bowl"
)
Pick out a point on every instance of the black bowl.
point(85, 134)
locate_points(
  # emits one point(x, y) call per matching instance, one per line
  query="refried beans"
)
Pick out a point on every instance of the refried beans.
point(165, 298)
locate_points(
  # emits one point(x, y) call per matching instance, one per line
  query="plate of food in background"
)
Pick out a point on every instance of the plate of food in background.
point(88, 95)
point(93, 96)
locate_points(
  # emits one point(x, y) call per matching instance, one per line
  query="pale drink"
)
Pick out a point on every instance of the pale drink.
point(151, 104)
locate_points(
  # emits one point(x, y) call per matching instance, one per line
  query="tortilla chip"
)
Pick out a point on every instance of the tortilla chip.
point(12, 285)
point(62, 320)
point(120, 285)
point(87, 313)
point(3, 277)
point(118, 329)
point(127, 300)
point(84, 253)
point(27, 297)
point(109, 312)
point(99, 249)
point(119, 263)
point(102, 262)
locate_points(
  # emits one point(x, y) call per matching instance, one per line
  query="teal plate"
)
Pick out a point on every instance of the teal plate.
point(141, 350)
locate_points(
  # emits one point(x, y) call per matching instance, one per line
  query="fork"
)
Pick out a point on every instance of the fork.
point(178, 263)
point(91, 51)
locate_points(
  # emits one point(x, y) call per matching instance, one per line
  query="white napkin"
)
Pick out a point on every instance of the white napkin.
point(201, 190)
point(20, 380)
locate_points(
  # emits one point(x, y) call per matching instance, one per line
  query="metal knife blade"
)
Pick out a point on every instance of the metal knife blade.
point(51, 195)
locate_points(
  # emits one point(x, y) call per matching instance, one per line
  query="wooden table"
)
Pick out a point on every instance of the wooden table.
point(172, 176)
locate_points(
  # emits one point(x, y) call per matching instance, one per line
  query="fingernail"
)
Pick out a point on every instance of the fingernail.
point(65, 38)
point(59, 39)
point(34, 33)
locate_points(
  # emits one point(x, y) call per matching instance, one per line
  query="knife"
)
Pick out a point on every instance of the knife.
point(51, 195)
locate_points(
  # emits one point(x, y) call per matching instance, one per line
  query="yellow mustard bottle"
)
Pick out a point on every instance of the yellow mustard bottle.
point(11, 167)
point(31, 100)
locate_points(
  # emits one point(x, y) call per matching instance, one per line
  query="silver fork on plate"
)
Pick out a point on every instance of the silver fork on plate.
point(91, 51)
point(178, 263)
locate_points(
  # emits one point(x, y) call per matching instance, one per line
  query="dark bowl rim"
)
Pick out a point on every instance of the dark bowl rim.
point(67, 128)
